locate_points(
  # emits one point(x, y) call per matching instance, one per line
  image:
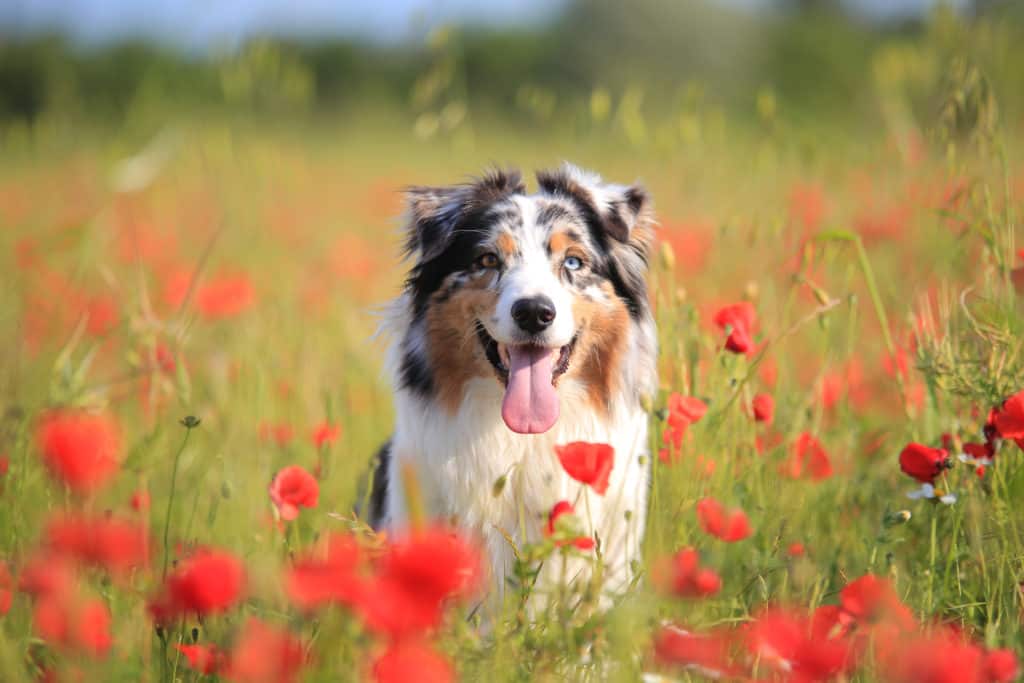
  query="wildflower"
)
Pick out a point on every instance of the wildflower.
point(683, 576)
point(416, 576)
point(977, 454)
point(207, 583)
point(264, 654)
point(280, 433)
point(870, 599)
point(140, 501)
point(79, 448)
point(293, 487)
point(929, 492)
point(68, 622)
point(730, 527)
point(796, 549)
point(682, 412)
point(115, 544)
point(225, 296)
point(739, 321)
point(763, 408)
point(588, 463)
point(808, 459)
point(564, 507)
point(705, 653)
point(6, 588)
point(412, 660)
point(1001, 666)
point(326, 576)
point(47, 574)
point(205, 659)
point(325, 434)
point(787, 641)
point(923, 463)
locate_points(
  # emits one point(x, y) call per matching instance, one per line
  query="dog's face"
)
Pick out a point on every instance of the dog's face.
point(533, 291)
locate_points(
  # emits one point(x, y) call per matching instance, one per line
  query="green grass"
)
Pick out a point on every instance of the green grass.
point(311, 216)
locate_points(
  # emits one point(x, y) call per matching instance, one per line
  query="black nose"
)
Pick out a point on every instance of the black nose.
point(533, 315)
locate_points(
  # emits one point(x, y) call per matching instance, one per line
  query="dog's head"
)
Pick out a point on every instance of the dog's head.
point(537, 291)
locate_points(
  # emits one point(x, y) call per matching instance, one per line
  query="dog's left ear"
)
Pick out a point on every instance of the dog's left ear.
point(436, 212)
point(622, 212)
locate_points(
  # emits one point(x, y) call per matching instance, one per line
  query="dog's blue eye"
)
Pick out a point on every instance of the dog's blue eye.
point(573, 263)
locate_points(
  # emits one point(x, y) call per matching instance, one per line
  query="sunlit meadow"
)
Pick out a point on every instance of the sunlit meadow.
point(192, 394)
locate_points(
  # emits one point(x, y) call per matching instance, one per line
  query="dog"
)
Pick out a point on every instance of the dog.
point(524, 323)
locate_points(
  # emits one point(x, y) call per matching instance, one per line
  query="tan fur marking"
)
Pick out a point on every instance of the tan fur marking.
point(597, 358)
point(506, 245)
point(559, 242)
point(452, 345)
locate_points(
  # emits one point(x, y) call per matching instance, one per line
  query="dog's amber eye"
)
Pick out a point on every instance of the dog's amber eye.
point(487, 260)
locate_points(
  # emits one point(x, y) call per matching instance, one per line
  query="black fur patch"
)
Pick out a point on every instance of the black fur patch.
point(416, 375)
point(379, 489)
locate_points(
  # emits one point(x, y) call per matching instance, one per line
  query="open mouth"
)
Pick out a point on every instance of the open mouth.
point(530, 374)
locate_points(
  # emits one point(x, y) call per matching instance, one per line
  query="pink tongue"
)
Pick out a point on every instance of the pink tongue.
point(531, 403)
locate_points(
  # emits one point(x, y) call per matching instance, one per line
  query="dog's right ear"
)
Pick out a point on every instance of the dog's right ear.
point(435, 212)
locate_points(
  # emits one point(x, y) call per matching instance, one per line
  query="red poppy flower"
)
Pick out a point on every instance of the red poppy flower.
point(588, 463)
point(412, 660)
point(292, 488)
point(683, 411)
point(683, 576)
point(66, 622)
point(796, 549)
point(80, 449)
point(325, 576)
point(47, 574)
point(206, 659)
point(763, 408)
point(923, 463)
point(730, 527)
point(740, 321)
point(225, 296)
point(1001, 666)
point(207, 583)
point(870, 599)
point(140, 501)
point(115, 544)
point(1009, 417)
point(943, 657)
point(6, 588)
point(787, 642)
point(415, 577)
point(264, 654)
point(705, 653)
point(808, 459)
point(564, 507)
point(325, 434)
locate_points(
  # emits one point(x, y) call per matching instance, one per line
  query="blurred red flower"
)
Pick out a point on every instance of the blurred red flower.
point(705, 653)
point(1001, 666)
point(807, 206)
point(924, 463)
point(117, 545)
point(412, 660)
point(6, 588)
point(808, 459)
point(588, 463)
point(225, 296)
point(325, 434)
point(206, 659)
point(209, 582)
point(1009, 417)
point(796, 549)
point(47, 574)
point(683, 411)
point(730, 527)
point(564, 507)
point(787, 641)
point(682, 575)
point(280, 433)
point(871, 599)
point(326, 576)
point(739, 320)
point(763, 408)
point(140, 501)
point(292, 488)
point(68, 622)
point(415, 577)
point(80, 449)
point(264, 654)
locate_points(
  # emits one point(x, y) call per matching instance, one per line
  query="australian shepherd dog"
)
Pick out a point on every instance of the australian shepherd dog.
point(524, 324)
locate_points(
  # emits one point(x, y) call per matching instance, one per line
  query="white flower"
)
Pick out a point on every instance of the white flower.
point(928, 491)
point(971, 460)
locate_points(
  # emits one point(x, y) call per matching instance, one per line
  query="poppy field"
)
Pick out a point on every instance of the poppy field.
point(192, 395)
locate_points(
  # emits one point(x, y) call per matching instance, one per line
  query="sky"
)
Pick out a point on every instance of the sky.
point(205, 24)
